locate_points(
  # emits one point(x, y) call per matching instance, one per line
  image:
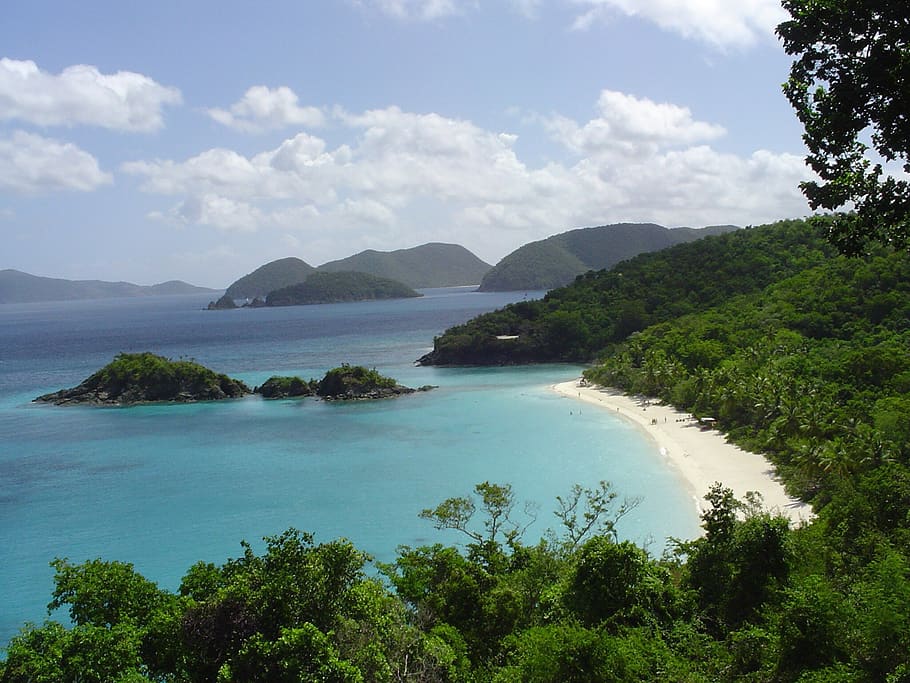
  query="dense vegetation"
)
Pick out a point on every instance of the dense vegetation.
point(557, 260)
point(340, 287)
point(848, 86)
point(146, 377)
point(577, 322)
point(429, 265)
point(271, 276)
point(346, 382)
point(286, 387)
point(813, 370)
point(356, 381)
point(750, 601)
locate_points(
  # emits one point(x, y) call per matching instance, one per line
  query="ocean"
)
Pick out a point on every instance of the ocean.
point(164, 486)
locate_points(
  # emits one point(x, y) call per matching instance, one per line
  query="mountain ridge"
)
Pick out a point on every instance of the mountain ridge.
point(434, 264)
point(17, 286)
point(559, 259)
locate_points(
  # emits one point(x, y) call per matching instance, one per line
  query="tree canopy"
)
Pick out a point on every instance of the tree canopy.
point(850, 87)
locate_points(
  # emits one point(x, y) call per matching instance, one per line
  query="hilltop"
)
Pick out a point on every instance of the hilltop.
point(429, 265)
point(557, 260)
point(17, 287)
point(269, 277)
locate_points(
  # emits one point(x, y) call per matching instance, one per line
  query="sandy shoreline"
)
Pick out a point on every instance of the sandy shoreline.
point(701, 457)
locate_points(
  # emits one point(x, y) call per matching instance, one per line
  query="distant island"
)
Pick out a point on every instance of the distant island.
point(17, 287)
point(138, 378)
point(269, 277)
point(330, 288)
point(326, 288)
point(133, 378)
point(557, 260)
point(428, 265)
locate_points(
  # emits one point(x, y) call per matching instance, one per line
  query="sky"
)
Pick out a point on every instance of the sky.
point(150, 141)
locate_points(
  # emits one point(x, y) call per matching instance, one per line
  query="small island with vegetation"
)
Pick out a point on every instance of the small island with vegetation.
point(133, 378)
point(325, 288)
point(137, 378)
point(344, 383)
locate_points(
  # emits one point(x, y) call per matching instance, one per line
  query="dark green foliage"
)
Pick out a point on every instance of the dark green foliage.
point(810, 370)
point(429, 265)
point(101, 593)
point(145, 377)
point(285, 387)
point(356, 381)
point(557, 260)
point(340, 287)
point(850, 82)
point(577, 322)
point(274, 275)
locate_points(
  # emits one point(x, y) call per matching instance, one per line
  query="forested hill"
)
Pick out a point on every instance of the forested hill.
point(341, 287)
point(273, 275)
point(576, 322)
point(556, 261)
point(429, 265)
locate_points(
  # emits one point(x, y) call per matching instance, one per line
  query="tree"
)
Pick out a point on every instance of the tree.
point(850, 85)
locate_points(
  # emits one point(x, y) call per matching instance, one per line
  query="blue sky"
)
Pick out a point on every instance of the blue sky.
point(199, 140)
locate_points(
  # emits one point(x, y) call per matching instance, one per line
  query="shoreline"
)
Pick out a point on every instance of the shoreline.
point(701, 457)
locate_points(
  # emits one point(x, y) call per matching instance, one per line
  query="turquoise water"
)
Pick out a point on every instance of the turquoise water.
point(167, 485)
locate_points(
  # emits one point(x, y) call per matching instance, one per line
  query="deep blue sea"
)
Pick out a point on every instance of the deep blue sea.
point(164, 486)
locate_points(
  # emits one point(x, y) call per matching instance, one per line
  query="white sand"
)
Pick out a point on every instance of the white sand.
point(702, 457)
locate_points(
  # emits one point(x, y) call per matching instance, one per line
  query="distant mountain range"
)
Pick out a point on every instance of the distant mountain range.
point(558, 260)
point(540, 265)
point(18, 287)
point(429, 265)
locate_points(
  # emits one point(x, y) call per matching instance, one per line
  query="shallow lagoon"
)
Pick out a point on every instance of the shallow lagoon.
point(164, 486)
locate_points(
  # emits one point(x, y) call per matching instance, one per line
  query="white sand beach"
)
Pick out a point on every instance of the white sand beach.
point(702, 457)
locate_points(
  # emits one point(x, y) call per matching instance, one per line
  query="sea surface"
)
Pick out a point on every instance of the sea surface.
point(164, 486)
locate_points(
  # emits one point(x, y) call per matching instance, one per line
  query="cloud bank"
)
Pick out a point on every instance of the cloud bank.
point(82, 95)
point(635, 160)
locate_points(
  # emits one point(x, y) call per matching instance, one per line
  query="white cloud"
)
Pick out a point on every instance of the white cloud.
point(632, 125)
point(82, 95)
point(31, 164)
point(423, 10)
point(262, 108)
point(720, 23)
point(413, 178)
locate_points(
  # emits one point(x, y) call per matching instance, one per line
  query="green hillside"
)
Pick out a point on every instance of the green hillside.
point(328, 288)
point(557, 260)
point(273, 275)
point(429, 265)
point(576, 322)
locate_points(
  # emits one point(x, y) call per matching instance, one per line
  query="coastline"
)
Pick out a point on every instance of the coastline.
point(702, 457)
